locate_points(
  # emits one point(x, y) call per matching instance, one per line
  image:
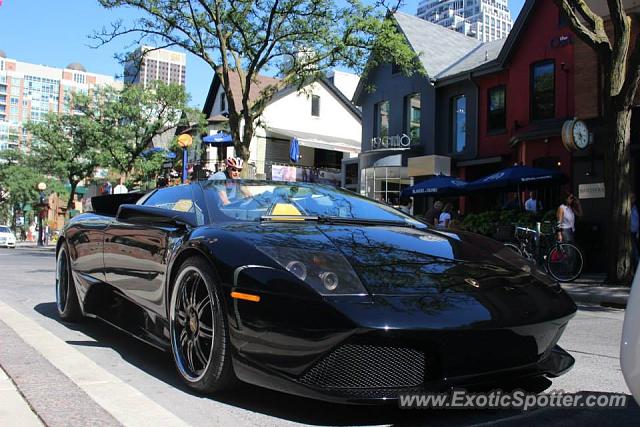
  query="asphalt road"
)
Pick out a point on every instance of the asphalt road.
point(92, 370)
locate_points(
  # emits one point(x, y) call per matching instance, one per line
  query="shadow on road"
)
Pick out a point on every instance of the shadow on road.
point(599, 309)
point(160, 365)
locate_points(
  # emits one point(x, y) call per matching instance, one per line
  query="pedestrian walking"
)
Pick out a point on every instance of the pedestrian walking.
point(566, 216)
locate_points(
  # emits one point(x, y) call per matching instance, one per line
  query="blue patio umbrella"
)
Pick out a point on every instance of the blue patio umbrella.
point(516, 177)
point(294, 150)
point(220, 139)
point(437, 186)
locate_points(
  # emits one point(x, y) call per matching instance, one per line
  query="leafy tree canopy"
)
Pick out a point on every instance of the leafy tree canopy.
point(295, 40)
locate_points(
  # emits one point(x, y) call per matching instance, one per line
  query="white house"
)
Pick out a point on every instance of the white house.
point(324, 121)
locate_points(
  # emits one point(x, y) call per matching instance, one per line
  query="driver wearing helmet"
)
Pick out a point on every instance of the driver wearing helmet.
point(229, 191)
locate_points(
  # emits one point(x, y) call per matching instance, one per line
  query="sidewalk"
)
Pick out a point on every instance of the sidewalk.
point(34, 245)
point(14, 410)
point(589, 289)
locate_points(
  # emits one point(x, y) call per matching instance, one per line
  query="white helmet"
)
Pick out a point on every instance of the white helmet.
point(235, 162)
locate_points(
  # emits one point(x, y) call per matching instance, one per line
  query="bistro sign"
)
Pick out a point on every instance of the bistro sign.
point(591, 191)
point(402, 142)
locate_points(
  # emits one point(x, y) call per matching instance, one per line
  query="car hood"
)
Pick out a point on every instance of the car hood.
point(405, 261)
point(8, 235)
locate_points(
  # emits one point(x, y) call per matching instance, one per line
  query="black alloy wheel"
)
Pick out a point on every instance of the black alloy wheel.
point(199, 338)
point(66, 296)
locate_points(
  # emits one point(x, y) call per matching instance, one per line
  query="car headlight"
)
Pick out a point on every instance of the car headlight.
point(327, 272)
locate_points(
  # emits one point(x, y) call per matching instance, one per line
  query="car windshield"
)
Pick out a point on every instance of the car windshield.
point(4, 229)
point(272, 200)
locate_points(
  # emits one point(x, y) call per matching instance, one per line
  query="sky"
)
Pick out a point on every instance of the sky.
point(55, 33)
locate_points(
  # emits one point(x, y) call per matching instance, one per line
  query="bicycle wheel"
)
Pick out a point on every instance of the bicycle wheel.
point(513, 247)
point(564, 262)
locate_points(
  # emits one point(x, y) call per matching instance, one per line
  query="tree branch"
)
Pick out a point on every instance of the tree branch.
point(595, 37)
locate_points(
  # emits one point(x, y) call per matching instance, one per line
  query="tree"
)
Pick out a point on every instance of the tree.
point(620, 65)
point(20, 175)
point(132, 118)
point(295, 40)
point(69, 145)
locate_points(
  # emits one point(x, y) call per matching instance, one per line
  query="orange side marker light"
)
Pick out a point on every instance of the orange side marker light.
point(247, 297)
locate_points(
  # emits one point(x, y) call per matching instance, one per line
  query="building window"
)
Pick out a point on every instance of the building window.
point(543, 93)
point(315, 105)
point(496, 110)
point(223, 102)
point(78, 78)
point(459, 123)
point(412, 114)
point(381, 119)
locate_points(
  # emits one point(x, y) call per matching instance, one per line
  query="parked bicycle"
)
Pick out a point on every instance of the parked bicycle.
point(562, 260)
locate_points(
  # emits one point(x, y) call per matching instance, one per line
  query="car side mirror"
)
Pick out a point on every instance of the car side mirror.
point(151, 215)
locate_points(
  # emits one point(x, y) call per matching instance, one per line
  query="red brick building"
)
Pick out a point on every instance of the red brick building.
point(525, 96)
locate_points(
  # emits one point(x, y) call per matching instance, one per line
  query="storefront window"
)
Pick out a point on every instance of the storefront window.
point(382, 119)
point(459, 123)
point(384, 184)
point(543, 92)
point(412, 108)
point(496, 111)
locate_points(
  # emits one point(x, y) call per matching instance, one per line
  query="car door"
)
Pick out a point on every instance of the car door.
point(85, 240)
point(136, 255)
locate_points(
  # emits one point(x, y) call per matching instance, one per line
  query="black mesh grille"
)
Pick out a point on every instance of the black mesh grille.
point(367, 366)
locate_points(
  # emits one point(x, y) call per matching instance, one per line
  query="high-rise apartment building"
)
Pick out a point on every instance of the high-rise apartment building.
point(29, 91)
point(148, 64)
point(485, 20)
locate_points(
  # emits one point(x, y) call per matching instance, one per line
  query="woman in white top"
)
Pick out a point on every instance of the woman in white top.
point(566, 215)
point(445, 216)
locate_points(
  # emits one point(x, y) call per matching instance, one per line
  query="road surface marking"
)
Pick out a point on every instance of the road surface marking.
point(128, 405)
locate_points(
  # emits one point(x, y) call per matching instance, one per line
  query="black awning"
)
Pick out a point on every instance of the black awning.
point(538, 130)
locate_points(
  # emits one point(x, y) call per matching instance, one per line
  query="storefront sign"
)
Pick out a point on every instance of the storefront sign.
point(402, 142)
point(283, 173)
point(561, 41)
point(591, 191)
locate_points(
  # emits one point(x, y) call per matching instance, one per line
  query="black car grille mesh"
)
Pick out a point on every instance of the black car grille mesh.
point(367, 366)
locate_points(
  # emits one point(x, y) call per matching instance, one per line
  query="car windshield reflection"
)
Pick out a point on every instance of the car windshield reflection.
point(273, 200)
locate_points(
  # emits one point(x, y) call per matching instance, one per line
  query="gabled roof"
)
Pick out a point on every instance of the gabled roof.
point(439, 47)
point(263, 82)
point(515, 32)
point(483, 54)
point(236, 90)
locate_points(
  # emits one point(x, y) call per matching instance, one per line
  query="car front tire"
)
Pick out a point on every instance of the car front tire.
point(199, 335)
point(66, 296)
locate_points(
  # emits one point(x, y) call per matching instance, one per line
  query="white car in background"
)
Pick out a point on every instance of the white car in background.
point(630, 345)
point(7, 238)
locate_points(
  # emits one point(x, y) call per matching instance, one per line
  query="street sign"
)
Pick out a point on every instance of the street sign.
point(20, 221)
point(167, 165)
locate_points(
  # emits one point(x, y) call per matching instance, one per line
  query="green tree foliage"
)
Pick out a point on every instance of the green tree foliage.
point(295, 40)
point(68, 146)
point(132, 118)
point(19, 178)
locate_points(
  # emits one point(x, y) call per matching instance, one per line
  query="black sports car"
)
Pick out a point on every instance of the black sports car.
point(310, 290)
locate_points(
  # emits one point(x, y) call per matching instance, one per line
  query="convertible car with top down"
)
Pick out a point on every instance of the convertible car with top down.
point(309, 290)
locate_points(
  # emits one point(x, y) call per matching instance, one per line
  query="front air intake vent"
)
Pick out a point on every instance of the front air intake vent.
point(353, 366)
